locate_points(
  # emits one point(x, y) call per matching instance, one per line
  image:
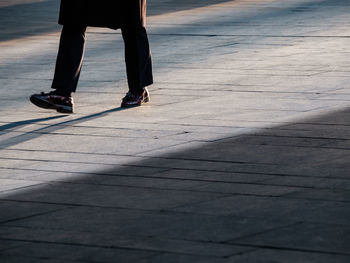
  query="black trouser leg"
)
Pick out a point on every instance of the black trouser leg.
point(137, 58)
point(69, 59)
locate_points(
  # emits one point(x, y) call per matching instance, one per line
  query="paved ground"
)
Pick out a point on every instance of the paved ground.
point(243, 155)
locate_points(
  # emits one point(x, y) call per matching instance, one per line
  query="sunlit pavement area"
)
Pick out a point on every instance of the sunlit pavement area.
point(243, 154)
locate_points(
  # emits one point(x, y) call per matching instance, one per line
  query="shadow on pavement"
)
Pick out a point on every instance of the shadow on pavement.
point(282, 191)
point(47, 129)
point(24, 20)
point(18, 124)
point(36, 18)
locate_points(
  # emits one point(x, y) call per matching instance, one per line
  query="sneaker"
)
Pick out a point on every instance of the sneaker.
point(52, 101)
point(131, 100)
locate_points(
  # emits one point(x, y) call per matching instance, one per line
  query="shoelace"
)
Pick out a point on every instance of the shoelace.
point(130, 95)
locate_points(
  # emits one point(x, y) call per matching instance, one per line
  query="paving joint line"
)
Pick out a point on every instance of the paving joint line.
point(31, 216)
point(293, 249)
point(259, 182)
point(265, 231)
point(105, 246)
point(190, 169)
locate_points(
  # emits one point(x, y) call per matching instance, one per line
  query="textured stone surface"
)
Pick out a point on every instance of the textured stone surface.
point(243, 154)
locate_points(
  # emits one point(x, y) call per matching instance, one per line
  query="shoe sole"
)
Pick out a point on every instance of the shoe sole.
point(48, 105)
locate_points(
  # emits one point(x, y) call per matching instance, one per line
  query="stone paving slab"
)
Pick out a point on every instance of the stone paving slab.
point(105, 239)
point(241, 156)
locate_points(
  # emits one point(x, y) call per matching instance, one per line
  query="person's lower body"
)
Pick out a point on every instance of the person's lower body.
point(69, 62)
point(138, 65)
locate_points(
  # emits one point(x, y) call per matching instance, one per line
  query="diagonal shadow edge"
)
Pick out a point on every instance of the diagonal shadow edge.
point(53, 27)
point(278, 131)
point(40, 24)
point(49, 128)
point(255, 210)
point(214, 151)
point(17, 124)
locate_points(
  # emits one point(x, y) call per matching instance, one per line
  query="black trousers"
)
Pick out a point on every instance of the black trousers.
point(71, 54)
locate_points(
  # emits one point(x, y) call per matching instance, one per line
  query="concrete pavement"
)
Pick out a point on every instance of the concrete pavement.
point(243, 154)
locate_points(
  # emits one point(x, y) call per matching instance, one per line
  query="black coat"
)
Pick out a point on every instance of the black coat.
point(103, 13)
